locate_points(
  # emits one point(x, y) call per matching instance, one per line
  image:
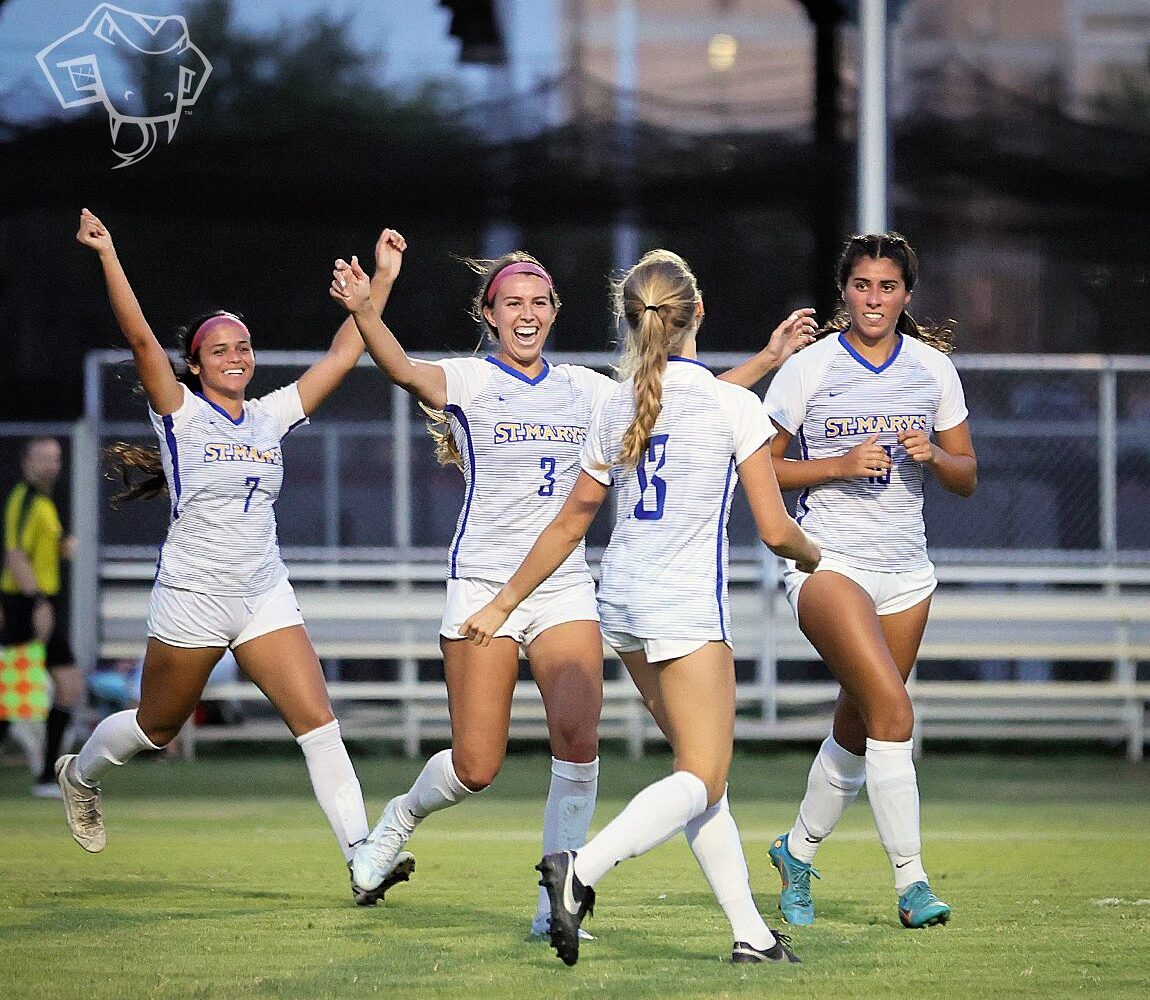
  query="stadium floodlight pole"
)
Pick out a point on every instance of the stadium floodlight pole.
point(872, 122)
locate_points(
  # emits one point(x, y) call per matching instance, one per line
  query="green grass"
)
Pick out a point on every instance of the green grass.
point(221, 880)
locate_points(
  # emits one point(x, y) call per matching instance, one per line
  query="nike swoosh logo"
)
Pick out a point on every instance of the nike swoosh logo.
point(833, 394)
point(903, 865)
point(568, 894)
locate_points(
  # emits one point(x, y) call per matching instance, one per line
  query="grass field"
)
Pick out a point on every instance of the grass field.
point(221, 880)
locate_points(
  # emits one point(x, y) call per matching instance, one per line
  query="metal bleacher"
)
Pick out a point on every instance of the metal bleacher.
point(1040, 628)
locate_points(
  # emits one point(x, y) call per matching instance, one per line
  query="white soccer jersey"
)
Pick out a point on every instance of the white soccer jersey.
point(831, 399)
point(224, 476)
point(520, 439)
point(664, 574)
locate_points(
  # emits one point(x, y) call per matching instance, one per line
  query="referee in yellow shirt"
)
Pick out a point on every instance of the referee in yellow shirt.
point(34, 544)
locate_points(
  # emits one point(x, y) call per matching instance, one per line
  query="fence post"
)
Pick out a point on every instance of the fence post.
point(401, 526)
point(84, 628)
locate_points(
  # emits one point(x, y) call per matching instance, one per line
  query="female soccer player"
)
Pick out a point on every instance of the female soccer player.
point(865, 402)
point(221, 582)
point(516, 425)
point(672, 441)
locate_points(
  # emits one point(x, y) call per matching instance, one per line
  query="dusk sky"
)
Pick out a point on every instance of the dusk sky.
point(411, 37)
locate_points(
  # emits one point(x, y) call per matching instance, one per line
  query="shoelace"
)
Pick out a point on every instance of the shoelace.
point(89, 818)
point(801, 881)
point(387, 846)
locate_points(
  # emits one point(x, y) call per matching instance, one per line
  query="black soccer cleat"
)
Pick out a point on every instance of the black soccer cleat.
point(780, 951)
point(571, 901)
point(400, 873)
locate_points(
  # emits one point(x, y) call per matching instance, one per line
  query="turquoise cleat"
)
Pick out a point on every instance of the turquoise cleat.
point(920, 907)
point(795, 901)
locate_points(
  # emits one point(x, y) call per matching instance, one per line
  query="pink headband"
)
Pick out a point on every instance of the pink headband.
point(214, 323)
point(519, 267)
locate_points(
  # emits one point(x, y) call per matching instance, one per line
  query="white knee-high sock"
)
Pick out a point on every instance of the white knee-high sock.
point(115, 741)
point(714, 839)
point(656, 814)
point(832, 785)
point(437, 787)
point(892, 787)
point(567, 815)
point(336, 786)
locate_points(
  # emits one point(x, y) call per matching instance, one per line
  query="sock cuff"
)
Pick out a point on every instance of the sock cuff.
point(693, 786)
point(321, 737)
point(888, 745)
point(575, 771)
point(144, 741)
point(842, 768)
point(839, 754)
point(453, 783)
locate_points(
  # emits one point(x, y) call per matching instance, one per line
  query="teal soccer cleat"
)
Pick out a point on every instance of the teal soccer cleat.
point(795, 901)
point(920, 907)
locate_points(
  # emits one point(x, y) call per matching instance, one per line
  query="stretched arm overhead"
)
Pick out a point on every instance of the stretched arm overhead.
point(322, 378)
point(427, 382)
point(156, 375)
point(792, 334)
point(779, 531)
point(557, 541)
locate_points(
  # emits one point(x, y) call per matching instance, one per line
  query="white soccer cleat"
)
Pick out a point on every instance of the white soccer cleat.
point(376, 858)
point(81, 807)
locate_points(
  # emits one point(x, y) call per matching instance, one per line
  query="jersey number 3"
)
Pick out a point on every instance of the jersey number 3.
point(652, 489)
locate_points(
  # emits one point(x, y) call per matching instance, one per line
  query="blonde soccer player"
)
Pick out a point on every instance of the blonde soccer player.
point(672, 442)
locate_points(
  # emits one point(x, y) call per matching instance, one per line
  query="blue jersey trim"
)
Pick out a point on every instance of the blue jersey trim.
point(801, 508)
point(173, 452)
point(516, 373)
point(720, 580)
point(223, 412)
point(457, 412)
point(690, 361)
point(863, 361)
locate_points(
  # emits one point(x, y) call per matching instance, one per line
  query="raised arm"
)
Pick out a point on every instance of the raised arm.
point(557, 541)
point(779, 531)
point(322, 378)
point(425, 381)
point(792, 334)
point(165, 395)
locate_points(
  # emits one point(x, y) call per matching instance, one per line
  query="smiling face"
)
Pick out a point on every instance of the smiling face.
point(875, 295)
point(224, 360)
point(522, 314)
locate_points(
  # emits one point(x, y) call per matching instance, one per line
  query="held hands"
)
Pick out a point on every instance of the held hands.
point(918, 446)
point(350, 286)
point(389, 250)
point(93, 233)
point(866, 460)
point(792, 334)
point(481, 627)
